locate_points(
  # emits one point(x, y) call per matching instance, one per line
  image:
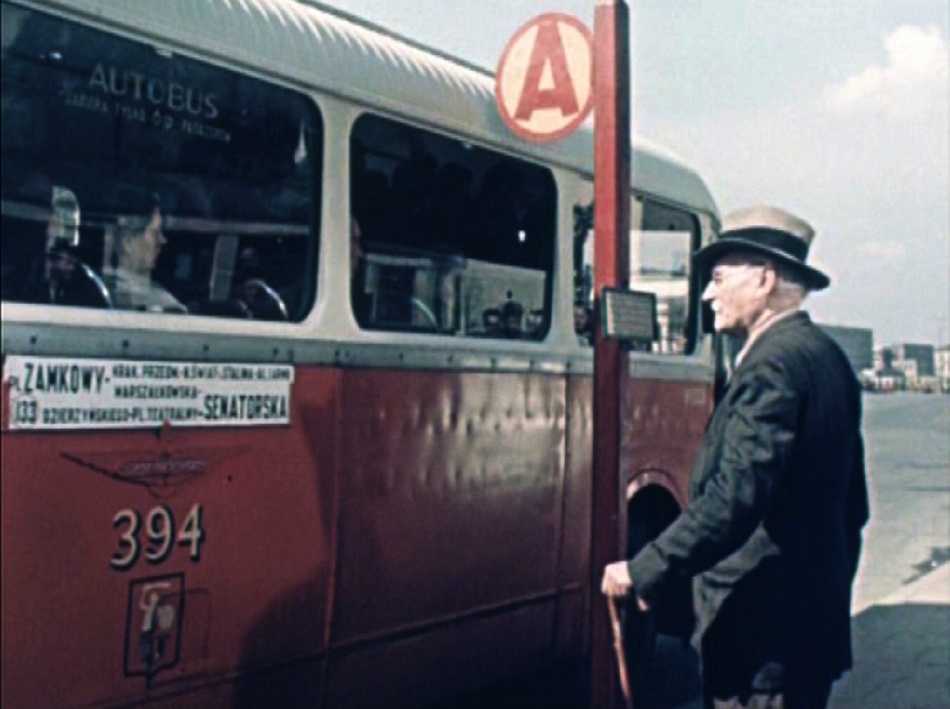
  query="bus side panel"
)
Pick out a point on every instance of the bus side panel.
point(574, 565)
point(451, 487)
point(663, 425)
point(238, 525)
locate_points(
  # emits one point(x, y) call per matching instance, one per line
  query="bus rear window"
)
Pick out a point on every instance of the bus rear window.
point(137, 179)
point(448, 237)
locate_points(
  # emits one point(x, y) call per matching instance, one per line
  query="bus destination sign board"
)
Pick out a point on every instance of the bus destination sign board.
point(50, 393)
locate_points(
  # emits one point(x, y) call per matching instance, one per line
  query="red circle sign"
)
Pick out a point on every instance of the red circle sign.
point(543, 85)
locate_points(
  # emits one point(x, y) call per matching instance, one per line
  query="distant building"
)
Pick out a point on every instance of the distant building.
point(921, 355)
point(887, 374)
point(915, 362)
point(908, 367)
point(942, 366)
point(857, 343)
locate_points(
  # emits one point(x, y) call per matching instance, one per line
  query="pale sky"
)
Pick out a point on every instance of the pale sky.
point(836, 110)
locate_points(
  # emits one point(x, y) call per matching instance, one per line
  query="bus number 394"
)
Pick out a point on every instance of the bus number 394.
point(158, 535)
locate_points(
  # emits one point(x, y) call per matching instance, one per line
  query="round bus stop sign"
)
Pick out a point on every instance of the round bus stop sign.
point(543, 85)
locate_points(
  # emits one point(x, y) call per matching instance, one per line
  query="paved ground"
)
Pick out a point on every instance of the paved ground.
point(902, 650)
point(901, 619)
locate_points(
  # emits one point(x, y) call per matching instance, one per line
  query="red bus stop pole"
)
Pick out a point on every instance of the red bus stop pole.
point(611, 267)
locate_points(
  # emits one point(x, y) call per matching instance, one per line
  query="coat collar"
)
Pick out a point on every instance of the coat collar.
point(767, 325)
point(794, 320)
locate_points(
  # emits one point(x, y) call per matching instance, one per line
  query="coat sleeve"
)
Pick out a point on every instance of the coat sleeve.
point(734, 495)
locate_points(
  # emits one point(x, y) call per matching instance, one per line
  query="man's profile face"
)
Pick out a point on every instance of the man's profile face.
point(736, 293)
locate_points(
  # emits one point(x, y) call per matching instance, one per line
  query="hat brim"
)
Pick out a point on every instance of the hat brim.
point(706, 257)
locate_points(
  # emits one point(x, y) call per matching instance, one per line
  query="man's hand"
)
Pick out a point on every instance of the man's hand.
point(617, 583)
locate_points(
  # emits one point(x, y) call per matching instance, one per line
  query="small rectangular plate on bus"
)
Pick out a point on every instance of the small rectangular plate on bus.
point(629, 315)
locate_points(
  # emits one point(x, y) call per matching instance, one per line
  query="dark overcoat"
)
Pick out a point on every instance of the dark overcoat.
point(773, 530)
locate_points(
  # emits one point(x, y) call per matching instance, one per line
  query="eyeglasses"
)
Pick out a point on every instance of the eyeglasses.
point(725, 272)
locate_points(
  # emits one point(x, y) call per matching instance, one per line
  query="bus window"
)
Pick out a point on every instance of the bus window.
point(183, 187)
point(448, 237)
point(583, 252)
point(662, 238)
point(660, 252)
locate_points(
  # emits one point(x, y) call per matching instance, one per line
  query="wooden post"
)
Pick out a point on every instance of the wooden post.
point(611, 266)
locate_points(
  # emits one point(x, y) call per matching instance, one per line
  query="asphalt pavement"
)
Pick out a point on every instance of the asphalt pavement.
point(902, 649)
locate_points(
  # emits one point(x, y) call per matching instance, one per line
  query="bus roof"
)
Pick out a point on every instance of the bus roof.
point(375, 68)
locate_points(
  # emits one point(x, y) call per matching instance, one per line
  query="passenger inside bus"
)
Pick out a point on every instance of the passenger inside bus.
point(512, 320)
point(583, 324)
point(136, 242)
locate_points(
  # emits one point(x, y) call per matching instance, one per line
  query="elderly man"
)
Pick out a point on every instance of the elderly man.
point(773, 530)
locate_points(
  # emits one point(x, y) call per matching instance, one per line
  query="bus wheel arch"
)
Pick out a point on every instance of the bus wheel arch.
point(652, 505)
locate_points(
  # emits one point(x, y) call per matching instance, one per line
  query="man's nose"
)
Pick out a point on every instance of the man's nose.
point(709, 291)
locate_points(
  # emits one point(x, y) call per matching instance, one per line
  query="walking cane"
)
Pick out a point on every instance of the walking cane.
point(618, 648)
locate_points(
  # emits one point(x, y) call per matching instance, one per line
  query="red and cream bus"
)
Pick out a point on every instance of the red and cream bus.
point(297, 391)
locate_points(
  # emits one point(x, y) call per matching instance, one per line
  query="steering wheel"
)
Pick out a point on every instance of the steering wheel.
point(83, 287)
point(263, 301)
point(417, 306)
point(427, 313)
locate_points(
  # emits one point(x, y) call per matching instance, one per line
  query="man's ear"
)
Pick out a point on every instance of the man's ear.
point(769, 278)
